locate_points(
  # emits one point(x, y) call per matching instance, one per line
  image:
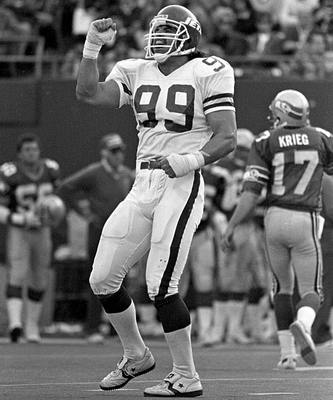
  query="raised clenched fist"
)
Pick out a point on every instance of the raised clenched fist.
point(101, 31)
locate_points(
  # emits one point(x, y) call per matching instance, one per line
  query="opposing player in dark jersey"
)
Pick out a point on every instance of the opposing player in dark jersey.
point(183, 105)
point(23, 183)
point(290, 160)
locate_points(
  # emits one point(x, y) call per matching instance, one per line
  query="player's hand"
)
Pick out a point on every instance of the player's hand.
point(101, 31)
point(226, 242)
point(164, 164)
point(32, 220)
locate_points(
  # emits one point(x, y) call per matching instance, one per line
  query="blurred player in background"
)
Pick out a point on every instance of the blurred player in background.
point(23, 185)
point(241, 274)
point(289, 160)
point(321, 328)
point(104, 184)
point(183, 103)
point(202, 263)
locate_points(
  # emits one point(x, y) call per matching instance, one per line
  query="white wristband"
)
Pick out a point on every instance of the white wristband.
point(196, 160)
point(182, 164)
point(91, 50)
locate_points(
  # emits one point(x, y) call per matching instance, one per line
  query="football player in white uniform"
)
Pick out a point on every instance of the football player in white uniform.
point(183, 104)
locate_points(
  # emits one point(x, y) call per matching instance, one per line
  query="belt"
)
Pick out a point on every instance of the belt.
point(152, 164)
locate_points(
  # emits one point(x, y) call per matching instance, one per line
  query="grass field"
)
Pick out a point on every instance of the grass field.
point(71, 369)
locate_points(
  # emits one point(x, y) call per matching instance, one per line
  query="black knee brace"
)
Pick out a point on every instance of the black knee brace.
point(255, 294)
point(14, 292)
point(115, 302)
point(35, 295)
point(173, 313)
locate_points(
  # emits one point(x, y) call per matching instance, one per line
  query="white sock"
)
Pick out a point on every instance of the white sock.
point(204, 321)
point(14, 309)
point(181, 351)
point(306, 315)
point(220, 319)
point(127, 329)
point(287, 343)
point(33, 312)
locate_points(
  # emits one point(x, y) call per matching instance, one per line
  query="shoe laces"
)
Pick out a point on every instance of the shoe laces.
point(120, 367)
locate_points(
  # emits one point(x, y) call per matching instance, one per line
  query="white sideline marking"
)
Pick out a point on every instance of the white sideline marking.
point(308, 369)
point(273, 394)
point(314, 368)
point(116, 390)
point(158, 380)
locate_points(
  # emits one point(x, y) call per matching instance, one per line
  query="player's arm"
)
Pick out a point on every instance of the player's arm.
point(327, 197)
point(245, 208)
point(254, 180)
point(75, 187)
point(223, 141)
point(88, 87)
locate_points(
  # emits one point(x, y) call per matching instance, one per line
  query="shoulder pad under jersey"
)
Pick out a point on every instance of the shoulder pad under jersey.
point(8, 169)
point(51, 164)
point(208, 66)
point(323, 131)
point(263, 136)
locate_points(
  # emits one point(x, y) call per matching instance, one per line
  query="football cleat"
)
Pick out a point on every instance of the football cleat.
point(15, 334)
point(287, 362)
point(176, 385)
point(304, 340)
point(126, 370)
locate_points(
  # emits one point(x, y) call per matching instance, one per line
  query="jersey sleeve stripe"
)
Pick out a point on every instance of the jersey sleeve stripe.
point(225, 108)
point(218, 96)
point(220, 104)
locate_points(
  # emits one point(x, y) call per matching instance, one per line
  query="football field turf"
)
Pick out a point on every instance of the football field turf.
point(71, 369)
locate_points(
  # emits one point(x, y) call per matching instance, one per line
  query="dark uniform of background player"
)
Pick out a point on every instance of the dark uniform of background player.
point(321, 329)
point(104, 184)
point(23, 183)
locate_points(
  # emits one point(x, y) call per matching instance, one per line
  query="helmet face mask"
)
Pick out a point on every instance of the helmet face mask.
point(289, 108)
point(174, 31)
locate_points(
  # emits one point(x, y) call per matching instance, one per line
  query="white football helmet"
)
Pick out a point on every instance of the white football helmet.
point(289, 108)
point(181, 39)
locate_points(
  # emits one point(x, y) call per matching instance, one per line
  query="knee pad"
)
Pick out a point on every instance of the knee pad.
point(14, 292)
point(35, 295)
point(255, 294)
point(172, 313)
point(115, 302)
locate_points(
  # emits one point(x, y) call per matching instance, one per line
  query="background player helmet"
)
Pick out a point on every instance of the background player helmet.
point(289, 108)
point(51, 210)
point(184, 40)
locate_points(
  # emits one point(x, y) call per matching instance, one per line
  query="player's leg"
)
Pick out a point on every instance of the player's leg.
point(277, 229)
point(124, 240)
point(175, 220)
point(239, 261)
point(202, 263)
point(307, 261)
point(41, 248)
point(321, 329)
point(18, 254)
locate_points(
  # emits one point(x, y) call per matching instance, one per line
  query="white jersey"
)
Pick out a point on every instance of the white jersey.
point(171, 110)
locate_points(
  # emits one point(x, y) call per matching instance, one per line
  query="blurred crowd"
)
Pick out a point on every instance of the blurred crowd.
point(276, 38)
